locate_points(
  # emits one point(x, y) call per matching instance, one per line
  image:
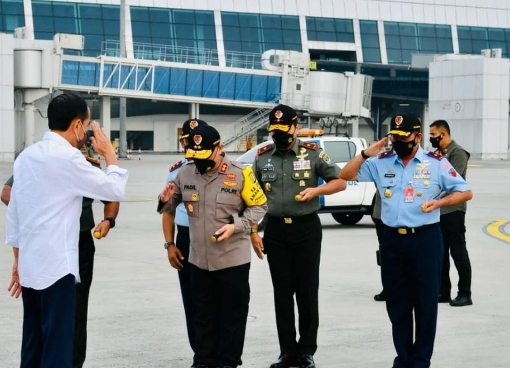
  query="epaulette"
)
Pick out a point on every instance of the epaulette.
point(435, 155)
point(311, 146)
point(264, 149)
point(93, 161)
point(386, 154)
point(176, 166)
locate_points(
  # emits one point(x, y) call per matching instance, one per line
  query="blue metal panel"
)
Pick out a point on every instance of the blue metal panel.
point(227, 85)
point(177, 82)
point(162, 80)
point(243, 87)
point(174, 81)
point(194, 82)
point(211, 86)
point(259, 88)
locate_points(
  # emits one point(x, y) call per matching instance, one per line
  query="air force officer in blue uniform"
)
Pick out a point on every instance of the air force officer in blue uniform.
point(409, 181)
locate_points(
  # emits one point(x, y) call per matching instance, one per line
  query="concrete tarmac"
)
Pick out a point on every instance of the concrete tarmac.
point(136, 318)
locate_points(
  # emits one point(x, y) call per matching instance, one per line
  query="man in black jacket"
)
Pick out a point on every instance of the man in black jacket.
point(453, 220)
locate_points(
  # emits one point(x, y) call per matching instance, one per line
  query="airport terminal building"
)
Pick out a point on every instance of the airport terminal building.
point(346, 65)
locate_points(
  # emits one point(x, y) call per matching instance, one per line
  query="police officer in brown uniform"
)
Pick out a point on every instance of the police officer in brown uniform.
point(223, 200)
point(289, 171)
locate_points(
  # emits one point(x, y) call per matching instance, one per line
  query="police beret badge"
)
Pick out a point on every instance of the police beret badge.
point(197, 139)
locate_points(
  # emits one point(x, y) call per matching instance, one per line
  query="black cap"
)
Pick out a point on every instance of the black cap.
point(202, 142)
point(189, 125)
point(281, 118)
point(404, 124)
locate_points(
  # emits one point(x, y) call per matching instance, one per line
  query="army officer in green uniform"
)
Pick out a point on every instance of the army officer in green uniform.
point(289, 171)
point(86, 258)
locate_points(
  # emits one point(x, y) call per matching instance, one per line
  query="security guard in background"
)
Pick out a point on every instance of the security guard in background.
point(223, 200)
point(453, 220)
point(86, 258)
point(178, 251)
point(289, 171)
point(409, 181)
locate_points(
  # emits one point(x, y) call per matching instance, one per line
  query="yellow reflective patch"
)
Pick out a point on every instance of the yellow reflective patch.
point(252, 192)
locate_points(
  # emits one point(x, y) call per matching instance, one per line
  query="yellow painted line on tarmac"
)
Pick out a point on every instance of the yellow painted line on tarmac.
point(141, 199)
point(474, 165)
point(496, 230)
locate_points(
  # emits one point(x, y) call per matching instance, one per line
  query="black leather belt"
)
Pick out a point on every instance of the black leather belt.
point(292, 220)
point(411, 230)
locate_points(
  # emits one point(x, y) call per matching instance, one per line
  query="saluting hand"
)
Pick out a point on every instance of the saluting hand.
point(100, 141)
point(167, 193)
point(226, 232)
point(308, 194)
point(14, 286)
point(257, 244)
point(376, 147)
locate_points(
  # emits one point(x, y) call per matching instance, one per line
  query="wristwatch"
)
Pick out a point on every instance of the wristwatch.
point(254, 231)
point(111, 220)
point(365, 156)
point(169, 244)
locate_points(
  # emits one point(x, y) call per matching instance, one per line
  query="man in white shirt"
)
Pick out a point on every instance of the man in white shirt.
point(43, 221)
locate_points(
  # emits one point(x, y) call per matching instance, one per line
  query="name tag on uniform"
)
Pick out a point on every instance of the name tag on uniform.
point(302, 165)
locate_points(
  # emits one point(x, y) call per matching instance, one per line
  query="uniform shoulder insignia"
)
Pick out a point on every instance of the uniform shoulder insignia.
point(435, 155)
point(176, 166)
point(386, 154)
point(93, 161)
point(311, 146)
point(264, 149)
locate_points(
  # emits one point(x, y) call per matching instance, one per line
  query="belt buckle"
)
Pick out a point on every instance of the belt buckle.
point(402, 231)
point(287, 220)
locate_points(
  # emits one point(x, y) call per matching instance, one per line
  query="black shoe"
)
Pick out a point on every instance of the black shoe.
point(461, 301)
point(444, 299)
point(381, 297)
point(306, 361)
point(285, 361)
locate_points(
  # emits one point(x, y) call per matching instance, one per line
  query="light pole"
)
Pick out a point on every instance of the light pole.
point(122, 101)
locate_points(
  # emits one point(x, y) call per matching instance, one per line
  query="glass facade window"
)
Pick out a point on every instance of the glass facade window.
point(329, 29)
point(405, 39)
point(173, 33)
point(97, 23)
point(11, 15)
point(370, 41)
point(257, 33)
point(472, 40)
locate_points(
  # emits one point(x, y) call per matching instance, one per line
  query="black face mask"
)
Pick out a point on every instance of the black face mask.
point(282, 140)
point(403, 149)
point(204, 166)
point(435, 141)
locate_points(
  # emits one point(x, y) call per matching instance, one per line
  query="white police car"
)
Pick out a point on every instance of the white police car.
point(347, 207)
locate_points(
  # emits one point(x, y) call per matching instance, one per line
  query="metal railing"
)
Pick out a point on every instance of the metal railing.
point(251, 122)
point(187, 55)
